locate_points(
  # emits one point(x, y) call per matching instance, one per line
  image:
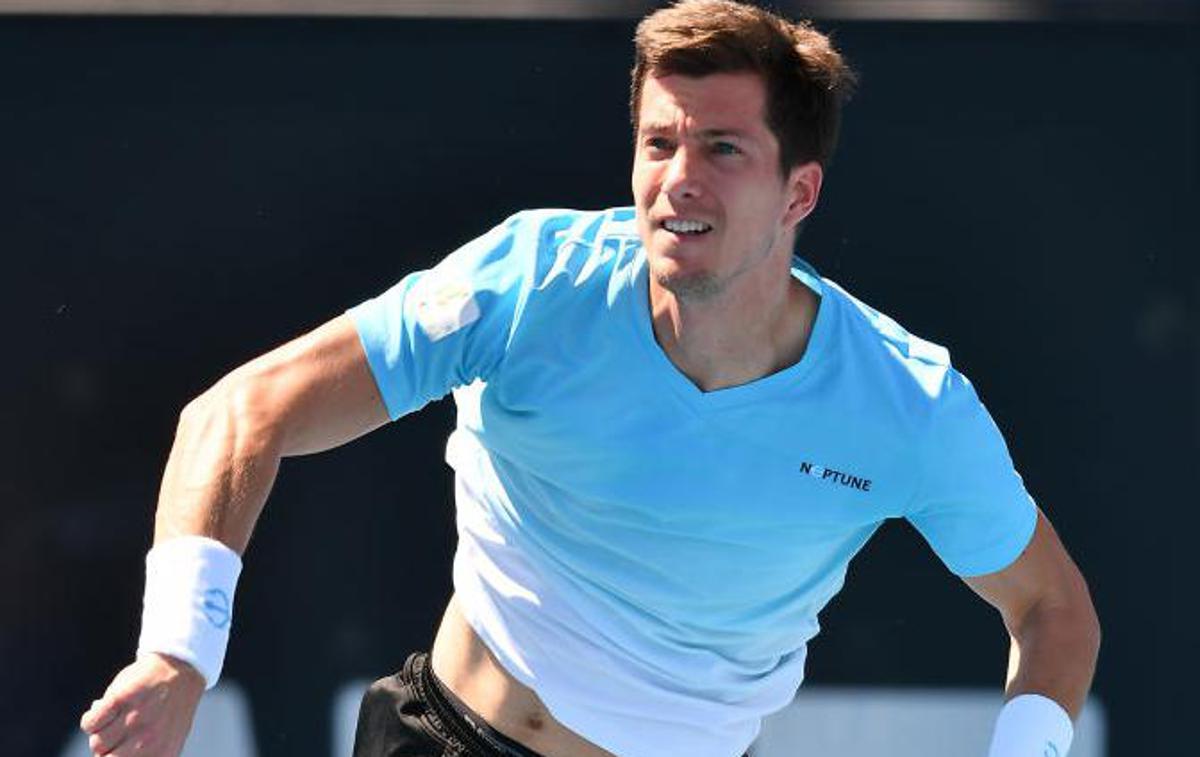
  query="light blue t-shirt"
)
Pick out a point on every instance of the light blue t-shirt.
point(651, 558)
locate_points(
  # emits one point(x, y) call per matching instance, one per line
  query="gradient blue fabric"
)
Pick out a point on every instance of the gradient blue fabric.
point(649, 557)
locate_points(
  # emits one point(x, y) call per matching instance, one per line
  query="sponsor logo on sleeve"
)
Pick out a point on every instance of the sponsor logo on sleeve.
point(444, 305)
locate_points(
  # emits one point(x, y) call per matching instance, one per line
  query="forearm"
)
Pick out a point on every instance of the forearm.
point(221, 467)
point(1053, 653)
point(312, 394)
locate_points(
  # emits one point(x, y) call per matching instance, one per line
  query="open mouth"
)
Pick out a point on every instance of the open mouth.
point(685, 227)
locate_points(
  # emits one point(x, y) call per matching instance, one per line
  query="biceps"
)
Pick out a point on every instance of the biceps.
point(1043, 572)
point(315, 392)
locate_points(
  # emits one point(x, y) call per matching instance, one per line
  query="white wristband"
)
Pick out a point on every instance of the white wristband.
point(188, 605)
point(1032, 725)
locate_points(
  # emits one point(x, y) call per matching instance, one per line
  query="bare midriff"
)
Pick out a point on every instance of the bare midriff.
point(468, 668)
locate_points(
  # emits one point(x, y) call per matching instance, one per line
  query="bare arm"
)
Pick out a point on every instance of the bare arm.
point(1050, 618)
point(311, 394)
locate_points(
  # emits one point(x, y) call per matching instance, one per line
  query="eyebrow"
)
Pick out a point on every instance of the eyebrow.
point(653, 128)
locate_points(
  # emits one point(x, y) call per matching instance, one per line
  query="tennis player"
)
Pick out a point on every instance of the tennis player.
point(673, 435)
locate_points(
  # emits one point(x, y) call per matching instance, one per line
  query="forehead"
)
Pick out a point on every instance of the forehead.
point(732, 101)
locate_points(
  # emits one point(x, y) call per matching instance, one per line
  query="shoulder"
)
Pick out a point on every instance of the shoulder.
point(550, 229)
point(918, 371)
point(529, 247)
point(573, 246)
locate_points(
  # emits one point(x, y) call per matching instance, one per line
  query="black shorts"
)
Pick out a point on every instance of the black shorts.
point(413, 714)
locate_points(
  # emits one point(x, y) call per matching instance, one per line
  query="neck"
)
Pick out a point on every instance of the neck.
point(731, 338)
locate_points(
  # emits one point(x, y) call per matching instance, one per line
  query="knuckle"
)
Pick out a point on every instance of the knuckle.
point(114, 700)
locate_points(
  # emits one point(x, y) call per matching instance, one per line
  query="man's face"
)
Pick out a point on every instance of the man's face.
point(712, 207)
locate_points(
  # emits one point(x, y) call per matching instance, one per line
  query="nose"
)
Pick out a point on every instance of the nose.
point(682, 179)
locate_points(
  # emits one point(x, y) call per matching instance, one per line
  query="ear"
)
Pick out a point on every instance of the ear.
point(803, 188)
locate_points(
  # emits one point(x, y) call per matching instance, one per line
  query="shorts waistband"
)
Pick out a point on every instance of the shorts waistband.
point(467, 725)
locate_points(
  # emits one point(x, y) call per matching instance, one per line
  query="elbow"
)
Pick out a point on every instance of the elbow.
point(1067, 616)
point(1080, 626)
point(1078, 612)
point(1087, 619)
point(1084, 622)
point(1093, 633)
point(235, 409)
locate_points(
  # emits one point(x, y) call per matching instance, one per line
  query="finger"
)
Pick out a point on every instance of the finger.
point(109, 737)
point(135, 746)
point(100, 714)
point(125, 749)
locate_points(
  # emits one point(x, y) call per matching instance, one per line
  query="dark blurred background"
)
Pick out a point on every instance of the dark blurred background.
point(180, 194)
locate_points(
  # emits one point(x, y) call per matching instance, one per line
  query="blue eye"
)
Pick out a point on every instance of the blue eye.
point(658, 143)
point(726, 148)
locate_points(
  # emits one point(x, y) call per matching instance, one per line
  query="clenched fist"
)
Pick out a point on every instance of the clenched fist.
point(146, 711)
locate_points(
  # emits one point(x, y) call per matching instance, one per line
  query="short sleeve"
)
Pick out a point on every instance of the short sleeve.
point(447, 326)
point(971, 505)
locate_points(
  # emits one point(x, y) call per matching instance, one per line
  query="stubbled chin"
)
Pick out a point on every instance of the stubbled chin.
point(682, 282)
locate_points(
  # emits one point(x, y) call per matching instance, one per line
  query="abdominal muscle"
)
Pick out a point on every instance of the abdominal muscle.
point(468, 668)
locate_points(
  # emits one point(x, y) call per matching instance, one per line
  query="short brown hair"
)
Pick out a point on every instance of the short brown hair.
point(806, 79)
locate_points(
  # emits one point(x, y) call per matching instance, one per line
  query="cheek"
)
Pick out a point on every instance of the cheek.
point(644, 181)
point(757, 208)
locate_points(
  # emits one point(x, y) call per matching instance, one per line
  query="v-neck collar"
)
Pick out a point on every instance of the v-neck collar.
point(733, 395)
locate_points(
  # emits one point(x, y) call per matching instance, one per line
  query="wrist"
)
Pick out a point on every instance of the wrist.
point(188, 604)
point(176, 667)
point(1032, 725)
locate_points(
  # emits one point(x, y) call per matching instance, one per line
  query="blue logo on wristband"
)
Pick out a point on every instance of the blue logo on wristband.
point(216, 608)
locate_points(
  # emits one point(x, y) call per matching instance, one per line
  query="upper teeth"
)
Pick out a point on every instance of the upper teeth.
point(685, 226)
